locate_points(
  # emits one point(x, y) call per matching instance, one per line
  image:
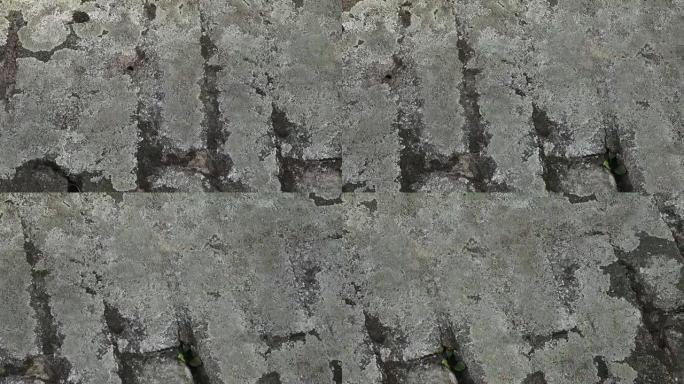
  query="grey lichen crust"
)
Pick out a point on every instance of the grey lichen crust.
point(260, 96)
point(379, 288)
point(424, 191)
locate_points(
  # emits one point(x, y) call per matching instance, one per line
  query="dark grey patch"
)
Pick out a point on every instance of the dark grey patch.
point(543, 127)
point(372, 205)
point(477, 136)
point(575, 199)
point(650, 54)
point(655, 358)
point(305, 268)
point(119, 327)
point(336, 369)
point(602, 369)
point(292, 171)
point(281, 125)
point(417, 159)
point(46, 176)
point(189, 348)
point(8, 70)
point(404, 17)
point(51, 369)
point(71, 42)
point(535, 378)
point(676, 223)
point(80, 17)
point(276, 342)
point(553, 3)
point(539, 341)
point(452, 353)
point(218, 164)
point(298, 3)
point(377, 332)
point(353, 187)
point(615, 157)
point(151, 11)
point(323, 202)
point(348, 4)
point(47, 329)
point(270, 378)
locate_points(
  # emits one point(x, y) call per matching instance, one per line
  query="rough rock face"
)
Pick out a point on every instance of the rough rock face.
point(329, 95)
point(422, 191)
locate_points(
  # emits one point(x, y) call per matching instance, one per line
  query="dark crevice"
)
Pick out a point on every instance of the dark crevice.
point(150, 11)
point(131, 361)
point(614, 158)
point(354, 187)
point(477, 136)
point(372, 205)
point(117, 325)
point(602, 370)
point(280, 123)
point(668, 212)
point(452, 356)
point(537, 342)
point(322, 201)
point(543, 127)
point(189, 348)
point(276, 342)
point(71, 42)
point(8, 71)
point(44, 175)
point(396, 369)
point(336, 370)
point(79, 17)
point(219, 164)
point(49, 338)
point(555, 167)
point(654, 358)
point(150, 153)
point(270, 378)
point(292, 171)
point(535, 378)
point(418, 160)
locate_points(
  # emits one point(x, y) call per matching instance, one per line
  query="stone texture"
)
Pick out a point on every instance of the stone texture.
point(429, 95)
point(386, 288)
point(442, 191)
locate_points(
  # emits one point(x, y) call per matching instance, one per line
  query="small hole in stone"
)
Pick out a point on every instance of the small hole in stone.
point(80, 17)
point(130, 68)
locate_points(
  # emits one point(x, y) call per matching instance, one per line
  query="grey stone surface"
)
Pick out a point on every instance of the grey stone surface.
point(424, 191)
point(377, 288)
point(255, 96)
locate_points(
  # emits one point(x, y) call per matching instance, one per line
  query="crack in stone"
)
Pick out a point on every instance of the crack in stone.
point(628, 282)
point(56, 369)
point(336, 370)
point(539, 341)
point(276, 342)
point(71, 42)
point(535, 378)
point(270, 378)
point(292, 171)
point(615, 159)
point(394, 371)
point(218, 164)
point(8, 70)
point(43, 175)
point(673, 220)
point(476, 131)
point(189, 347)
point(418, 159)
